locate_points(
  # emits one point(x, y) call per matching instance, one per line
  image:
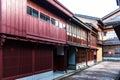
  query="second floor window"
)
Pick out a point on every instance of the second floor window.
point(42, 16)
point(29, 10)
point(35, 13)
point(47, 19)
point(32, 12)
point(53, 21)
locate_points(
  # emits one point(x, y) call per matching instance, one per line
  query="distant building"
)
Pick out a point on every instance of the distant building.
point(111, 42)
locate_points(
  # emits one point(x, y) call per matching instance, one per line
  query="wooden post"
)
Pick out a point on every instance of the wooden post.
point(1, 58)
point(87, 57)
point(0, 62)
point(0, 45)
point(33, 59)
point(65, 57)
point(0, 15)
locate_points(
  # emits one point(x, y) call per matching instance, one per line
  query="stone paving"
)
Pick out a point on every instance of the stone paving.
point(107, 70)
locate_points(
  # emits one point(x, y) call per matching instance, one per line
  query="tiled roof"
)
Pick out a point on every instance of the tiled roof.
point(88, 17)
point(115, 20)
point(110, 14)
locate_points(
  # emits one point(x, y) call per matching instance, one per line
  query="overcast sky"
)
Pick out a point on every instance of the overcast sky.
point(96, 8)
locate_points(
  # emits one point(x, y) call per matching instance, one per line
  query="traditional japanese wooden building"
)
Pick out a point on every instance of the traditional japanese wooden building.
point(32, 37)
point(40, 37)
point(77, 40)
point(94, 39)
point(111, 47)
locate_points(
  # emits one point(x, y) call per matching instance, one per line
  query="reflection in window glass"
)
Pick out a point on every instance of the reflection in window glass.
point(42, 16)
point(53, 21)
point(35, 13)
point(29, 10)
point(47, 18)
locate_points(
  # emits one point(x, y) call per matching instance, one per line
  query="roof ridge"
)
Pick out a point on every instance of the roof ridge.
point(87, 16)
point(111, 13)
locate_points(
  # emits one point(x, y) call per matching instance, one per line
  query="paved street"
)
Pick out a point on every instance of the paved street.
point(103, 71)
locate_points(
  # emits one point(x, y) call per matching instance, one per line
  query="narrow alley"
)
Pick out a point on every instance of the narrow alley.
point(107, 70)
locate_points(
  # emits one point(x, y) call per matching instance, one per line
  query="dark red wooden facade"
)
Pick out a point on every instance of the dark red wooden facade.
point(92, 52)
point(13, 17)
point(25, 59)
point(21, 58)
point(90, 55)
point(1, 61)
point(81, 55)
point(41, 29)
point(16, 21)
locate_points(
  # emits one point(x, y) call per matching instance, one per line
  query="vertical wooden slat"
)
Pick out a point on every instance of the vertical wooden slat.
point(27, 25)
point(30, 20)
point(23, 16)
point(18, 28)
point(51, 31)
point(43, 28)
point(43, 58)
point(12, 17)
point(0, 16)
point(1, 61)
point(17, 59)
point(65, 57)
point(37, 29)
point(3, 15)
point(8, 16)
point(33, 59)
point(31, 26)
point(20, 17)
point(35, 25)
point(47, 29)
point(40, 28)
point(16, 17)
point(34, 20)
